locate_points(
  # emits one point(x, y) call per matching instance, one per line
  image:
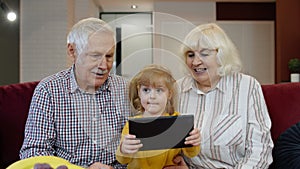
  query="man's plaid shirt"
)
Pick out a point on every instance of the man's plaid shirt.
point(80, 127)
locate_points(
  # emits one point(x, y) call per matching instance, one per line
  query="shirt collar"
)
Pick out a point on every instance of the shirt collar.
point(74, 85)
point(190, 84)
point(221, 85)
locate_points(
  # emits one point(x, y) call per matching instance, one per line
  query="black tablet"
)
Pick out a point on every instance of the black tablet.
point(163, 132)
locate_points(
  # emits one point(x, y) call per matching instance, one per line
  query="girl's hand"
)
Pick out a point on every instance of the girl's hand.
point(194, 138)
point(130, 144)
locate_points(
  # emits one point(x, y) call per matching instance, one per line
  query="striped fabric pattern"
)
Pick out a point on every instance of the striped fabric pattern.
point(80, 127)
point(233, 120)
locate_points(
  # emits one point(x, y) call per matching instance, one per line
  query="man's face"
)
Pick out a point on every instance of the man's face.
point(93, 65)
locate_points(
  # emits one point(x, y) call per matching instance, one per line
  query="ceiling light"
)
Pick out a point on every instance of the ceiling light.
point(11, 16)
point(134, 6)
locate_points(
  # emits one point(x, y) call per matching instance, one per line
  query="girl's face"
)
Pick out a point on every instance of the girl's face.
point(203, 65)
point(154, 99)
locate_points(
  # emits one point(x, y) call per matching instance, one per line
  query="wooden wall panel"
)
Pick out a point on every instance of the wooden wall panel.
point(287, 36)
point(246, 11)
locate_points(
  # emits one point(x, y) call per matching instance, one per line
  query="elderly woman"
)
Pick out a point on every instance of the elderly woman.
point(228, 106)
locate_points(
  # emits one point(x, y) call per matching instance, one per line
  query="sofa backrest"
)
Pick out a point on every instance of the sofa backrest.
point(14, 105)
point(283, 102)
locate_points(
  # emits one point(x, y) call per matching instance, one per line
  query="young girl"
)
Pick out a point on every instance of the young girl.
point(153, 93)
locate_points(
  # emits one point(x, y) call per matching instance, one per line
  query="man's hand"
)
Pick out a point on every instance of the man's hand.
point(98, 165)
point(180, 164)
point(42, 166)
point(47, 166)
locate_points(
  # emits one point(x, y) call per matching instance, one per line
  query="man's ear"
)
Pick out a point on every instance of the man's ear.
point(71, 50)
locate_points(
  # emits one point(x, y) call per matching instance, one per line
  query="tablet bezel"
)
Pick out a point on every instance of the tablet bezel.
point(162, 132)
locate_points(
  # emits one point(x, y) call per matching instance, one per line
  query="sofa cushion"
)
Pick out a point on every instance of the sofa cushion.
point(283, 105)
point(286, 152)
point(14, 105)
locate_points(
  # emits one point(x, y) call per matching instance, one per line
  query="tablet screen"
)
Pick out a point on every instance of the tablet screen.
point(162, 132)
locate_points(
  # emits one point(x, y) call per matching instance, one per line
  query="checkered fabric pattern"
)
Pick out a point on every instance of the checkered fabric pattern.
point(80, 127)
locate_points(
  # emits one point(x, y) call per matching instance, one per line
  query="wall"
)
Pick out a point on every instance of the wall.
point(45, 54)
point(9, 46)
point(287, 36)
point(44, 27)
point(172, 21)
point(253, 36)
point(134, 41)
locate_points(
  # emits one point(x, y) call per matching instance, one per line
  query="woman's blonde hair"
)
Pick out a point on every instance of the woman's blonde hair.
point(153, 75)
point(211, 36)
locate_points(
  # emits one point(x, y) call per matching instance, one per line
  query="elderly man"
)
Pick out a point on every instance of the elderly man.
point(78, 113)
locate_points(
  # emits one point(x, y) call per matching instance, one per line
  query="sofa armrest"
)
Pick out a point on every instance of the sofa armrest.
point(14, 106)
point(283, 105)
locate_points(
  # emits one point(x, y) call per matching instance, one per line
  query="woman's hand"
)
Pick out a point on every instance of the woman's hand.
point(130, 144)
point(180, 164)
point(194, 138)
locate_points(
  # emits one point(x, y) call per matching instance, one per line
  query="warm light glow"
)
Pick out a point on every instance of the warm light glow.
point(11, 16)
point(134, 6)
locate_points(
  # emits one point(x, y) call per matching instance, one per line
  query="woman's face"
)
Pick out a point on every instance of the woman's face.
point(203, 65)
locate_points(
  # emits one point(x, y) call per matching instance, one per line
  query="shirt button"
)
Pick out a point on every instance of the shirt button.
point(94, 119)
point(94, 141)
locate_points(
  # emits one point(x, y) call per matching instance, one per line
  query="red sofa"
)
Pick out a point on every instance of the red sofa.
point(14, 105)
point(282, 102)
